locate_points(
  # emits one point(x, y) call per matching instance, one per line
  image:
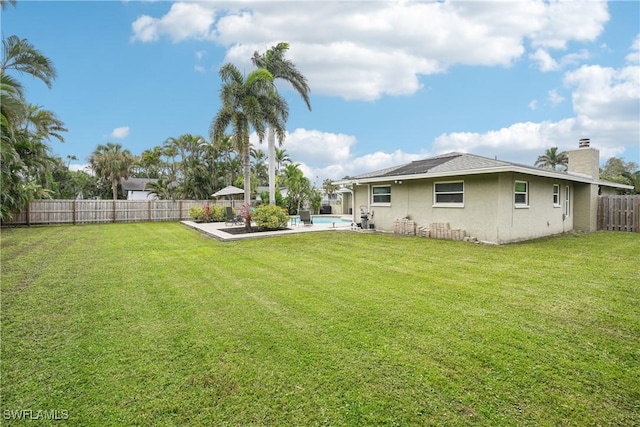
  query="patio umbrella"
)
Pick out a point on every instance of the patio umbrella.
point(229, 190)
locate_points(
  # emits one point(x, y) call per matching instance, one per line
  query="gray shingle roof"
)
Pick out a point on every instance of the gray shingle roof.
point(444, 163)
point(458, 164)
point(136, 184)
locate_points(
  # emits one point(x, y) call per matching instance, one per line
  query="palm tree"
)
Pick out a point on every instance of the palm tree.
point(112, 163)
point(282, 159)
point(162, 188)
point(24, 154)
point(3, 3)
point(71, 157)
point(551, 159)
point(21, 56)
point(149, 163)
point(258, 166)
point(273, 60)
point(329, 188)
point(297, 186)
point(251, 102)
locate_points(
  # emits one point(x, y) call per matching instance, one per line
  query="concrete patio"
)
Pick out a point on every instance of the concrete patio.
point(216, 230)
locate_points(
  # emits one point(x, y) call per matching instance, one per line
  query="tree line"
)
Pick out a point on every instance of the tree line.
point(183, 167)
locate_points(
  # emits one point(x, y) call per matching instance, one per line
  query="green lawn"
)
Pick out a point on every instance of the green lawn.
point(156, 324)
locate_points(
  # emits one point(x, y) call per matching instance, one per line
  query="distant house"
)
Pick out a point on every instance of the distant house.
point(136, 189)
point(492, 200)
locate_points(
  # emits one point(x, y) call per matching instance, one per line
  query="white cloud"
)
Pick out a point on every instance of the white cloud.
point(606, 94)
point(314, 146)
point(324, 155)
point(358, 165)
point(562, 22)
point(121, 132)
point(606, 103)
point(544, 60)
point(547, 63)
point(634, 56)
point(85, 167)
point(533, 104)
point(183, 21)
point(319, 147)
point(555, 97)
point(365, 50)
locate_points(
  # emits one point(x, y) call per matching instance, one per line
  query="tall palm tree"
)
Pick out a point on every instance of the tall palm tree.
point(24, 154)
point(273, 60)
point(551, 159)
point(112, 163)
point(248, 103)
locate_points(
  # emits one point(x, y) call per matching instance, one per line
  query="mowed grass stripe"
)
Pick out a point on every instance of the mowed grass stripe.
point(155, 324)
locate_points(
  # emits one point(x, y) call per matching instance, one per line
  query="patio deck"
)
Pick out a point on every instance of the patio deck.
point(216, 230)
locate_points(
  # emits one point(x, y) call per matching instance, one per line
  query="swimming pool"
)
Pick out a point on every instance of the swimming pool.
point(326, 219)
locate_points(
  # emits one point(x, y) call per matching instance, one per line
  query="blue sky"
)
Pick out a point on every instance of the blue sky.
point(391, 81)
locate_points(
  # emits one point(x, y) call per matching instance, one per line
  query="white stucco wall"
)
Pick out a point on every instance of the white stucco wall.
point(489, 211)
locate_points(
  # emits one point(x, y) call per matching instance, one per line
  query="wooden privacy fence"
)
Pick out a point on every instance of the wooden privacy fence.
point(101, 211)
point(619, 213)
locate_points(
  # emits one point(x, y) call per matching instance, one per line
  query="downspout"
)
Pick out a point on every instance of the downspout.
point(353, 203)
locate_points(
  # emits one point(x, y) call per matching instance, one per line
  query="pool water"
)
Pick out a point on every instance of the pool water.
point(326, 219)
point(329, 219)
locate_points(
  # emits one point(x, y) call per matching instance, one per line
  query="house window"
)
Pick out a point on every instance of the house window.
point(556, 195)
point(567, 209)
point(448, 194)
point(521, 194)
point(381, 194)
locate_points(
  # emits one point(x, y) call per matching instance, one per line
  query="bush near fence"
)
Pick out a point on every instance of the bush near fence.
point(104, 211)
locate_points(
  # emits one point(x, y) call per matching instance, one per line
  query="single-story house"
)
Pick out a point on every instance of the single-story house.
point(492, 200)
point(136, 189)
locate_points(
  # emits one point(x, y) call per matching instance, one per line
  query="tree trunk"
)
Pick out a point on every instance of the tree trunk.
point(114, 189)
point(246, 166)
point(272, 166)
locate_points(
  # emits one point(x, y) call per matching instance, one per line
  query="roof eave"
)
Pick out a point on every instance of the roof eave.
point(500, 169)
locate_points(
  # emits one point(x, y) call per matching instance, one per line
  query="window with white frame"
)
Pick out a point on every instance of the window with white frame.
point(448, 193)
point(521, 194)
point(556, 195)
point(567, 209)
point(381, 194)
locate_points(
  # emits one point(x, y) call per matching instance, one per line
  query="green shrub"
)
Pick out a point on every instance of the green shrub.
point(217, 214)
point(196, 213)
point(270, 217)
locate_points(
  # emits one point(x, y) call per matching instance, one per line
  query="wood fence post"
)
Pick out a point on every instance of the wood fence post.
point(114, 211)
point(73, 214)
point(28, 213)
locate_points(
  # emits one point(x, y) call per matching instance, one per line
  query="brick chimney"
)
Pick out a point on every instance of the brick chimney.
point(585, 160)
